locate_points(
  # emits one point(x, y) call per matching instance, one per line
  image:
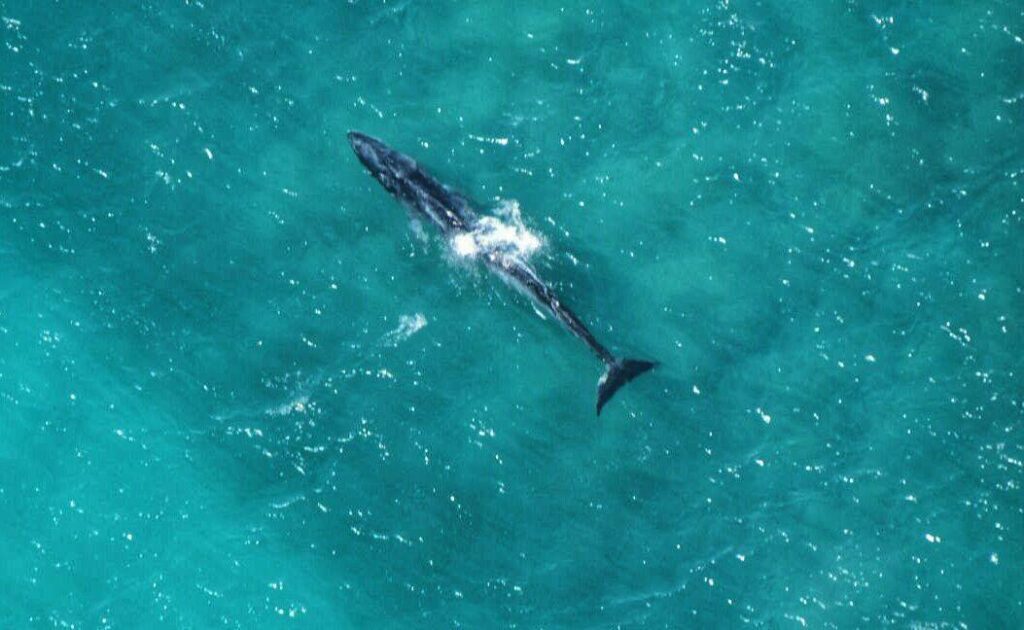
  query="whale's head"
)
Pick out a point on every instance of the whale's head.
point(400, 175)
point(388, 166)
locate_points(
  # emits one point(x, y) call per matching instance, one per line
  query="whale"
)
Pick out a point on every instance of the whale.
point(454, 216)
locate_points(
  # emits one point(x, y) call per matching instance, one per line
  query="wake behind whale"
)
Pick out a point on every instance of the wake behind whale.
point(504, 246)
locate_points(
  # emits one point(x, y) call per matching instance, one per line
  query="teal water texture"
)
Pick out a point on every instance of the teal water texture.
point(237, 391)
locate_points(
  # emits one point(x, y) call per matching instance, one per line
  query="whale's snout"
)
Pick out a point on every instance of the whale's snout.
point(371, 152)
point(357, 138)
point(386, 165)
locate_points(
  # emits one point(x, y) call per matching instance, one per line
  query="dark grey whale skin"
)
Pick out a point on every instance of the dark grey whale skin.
point(452, 214)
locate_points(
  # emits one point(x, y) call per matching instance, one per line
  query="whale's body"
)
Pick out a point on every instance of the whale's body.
point(453, 215)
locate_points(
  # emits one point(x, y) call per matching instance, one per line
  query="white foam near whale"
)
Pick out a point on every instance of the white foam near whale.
point(408, 325)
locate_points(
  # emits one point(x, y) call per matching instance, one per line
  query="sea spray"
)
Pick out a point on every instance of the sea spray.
point(504, 232)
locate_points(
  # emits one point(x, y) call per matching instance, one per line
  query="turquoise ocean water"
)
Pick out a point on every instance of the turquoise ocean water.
point(236, 390)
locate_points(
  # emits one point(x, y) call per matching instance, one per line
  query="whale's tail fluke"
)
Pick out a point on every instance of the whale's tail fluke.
point(619, 373)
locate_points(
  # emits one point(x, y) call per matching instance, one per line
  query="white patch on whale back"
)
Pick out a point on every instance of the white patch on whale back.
point(503, 233)
point(465, 245)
